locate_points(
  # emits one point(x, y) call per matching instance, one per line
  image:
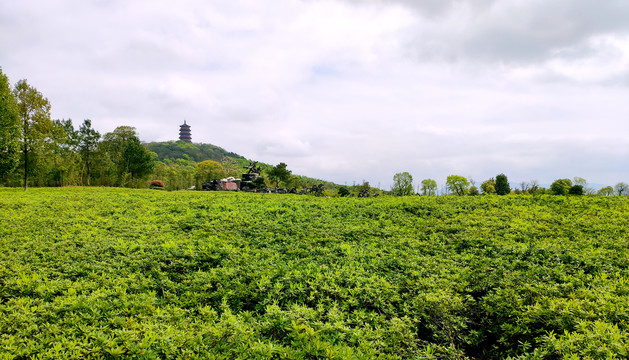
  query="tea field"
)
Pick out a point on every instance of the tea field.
point(108, 273)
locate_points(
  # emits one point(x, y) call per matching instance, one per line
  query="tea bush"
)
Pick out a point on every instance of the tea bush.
point(106, 273)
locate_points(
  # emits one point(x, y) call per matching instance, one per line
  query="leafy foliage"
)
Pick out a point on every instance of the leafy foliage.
point(429, 187)
point(88, 139)
point(622, 189)
point(488, 187)
point(104, 273)
point(279, 174)
point(502, 185)
point(606, 191)
point(9, 128)
point(34, 113)
point(123, 158)
point(208, 170)
point(402, 184)
point(560, 187)
point(576, 190)
point(457, 184)
point(173, 150)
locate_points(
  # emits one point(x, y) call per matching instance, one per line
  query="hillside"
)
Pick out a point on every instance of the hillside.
point(173, 150)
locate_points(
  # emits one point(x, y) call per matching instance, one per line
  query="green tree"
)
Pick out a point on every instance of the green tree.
point(402, 184)
point(294, 181)
point(473, 191)
point(502, 185)
point(488, 187)
point(122, 157)
point(259, 183)
point(579, 181)
point(231, 166)
point(457, 184)
point(279, 174)
point(343, 191)
point(34, 114)
point(178, 175)
point(208, 170)
point(429, 187)
point(560, 187)
point(88, 139)
point(138, 160)
point(59, 163)
point(576, 190)
point(606, 191)
point(535, 189)
point(9, 128)
point(621, 189)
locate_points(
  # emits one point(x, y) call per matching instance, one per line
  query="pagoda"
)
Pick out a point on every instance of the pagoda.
point(184, 132)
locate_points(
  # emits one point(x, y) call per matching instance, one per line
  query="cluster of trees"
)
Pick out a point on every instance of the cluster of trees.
point(459, 185)
point(169, 151)
point(36, 150)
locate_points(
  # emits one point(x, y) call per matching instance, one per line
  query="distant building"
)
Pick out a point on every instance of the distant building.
point(184, 132)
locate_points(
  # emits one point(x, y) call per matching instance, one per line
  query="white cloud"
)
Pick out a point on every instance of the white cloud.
point(345, 90)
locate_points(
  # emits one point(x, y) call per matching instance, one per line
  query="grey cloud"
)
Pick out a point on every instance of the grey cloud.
point(510, 31)
point(534, 33)
point(331, 91)
point(430, 9)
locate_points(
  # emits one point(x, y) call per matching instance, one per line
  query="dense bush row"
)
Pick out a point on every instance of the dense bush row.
point(104, 273)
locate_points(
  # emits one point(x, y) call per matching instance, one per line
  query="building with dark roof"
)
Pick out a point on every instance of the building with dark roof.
point(184, 132)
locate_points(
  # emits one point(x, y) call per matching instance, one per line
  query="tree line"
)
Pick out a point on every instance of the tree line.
point(499, 185)
point(38, 151)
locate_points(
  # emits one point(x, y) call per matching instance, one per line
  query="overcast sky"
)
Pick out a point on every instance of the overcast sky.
point(345, 90)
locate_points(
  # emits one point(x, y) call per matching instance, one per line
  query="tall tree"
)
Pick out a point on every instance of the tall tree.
point(560, 187)
point(208, 170)
point(34, 113)
point(231, 166)
point(137, 159)
point(59, 160)
point(535, 189)
point(113, 168)
point(502, 185)
point(576, 190)
point(125, 159)
point(606, 191)
point(579, 181)
point(488, 187)
point(457, 184)
point(279, 174)
point(88, 139)
point(429, 187)
point(9, 128)
point(402, 184)
point(622, 189)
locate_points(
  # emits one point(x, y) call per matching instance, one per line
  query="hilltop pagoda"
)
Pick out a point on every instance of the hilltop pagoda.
point(184, 132)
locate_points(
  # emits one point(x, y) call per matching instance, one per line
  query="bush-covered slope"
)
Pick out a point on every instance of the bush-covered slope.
point(173, 150)
point(100, 273)
point(169, 152)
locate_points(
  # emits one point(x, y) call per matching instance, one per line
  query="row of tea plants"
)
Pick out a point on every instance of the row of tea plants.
point(119, 273)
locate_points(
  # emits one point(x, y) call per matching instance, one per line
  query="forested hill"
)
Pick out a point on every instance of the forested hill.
point(173, 150)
